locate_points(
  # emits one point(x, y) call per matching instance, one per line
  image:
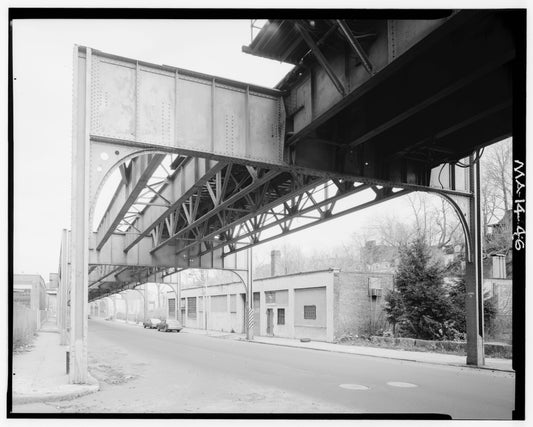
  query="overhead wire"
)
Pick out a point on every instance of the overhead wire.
point(479, 153)
point(467, 165)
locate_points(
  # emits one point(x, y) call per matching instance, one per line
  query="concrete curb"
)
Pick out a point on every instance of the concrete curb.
point(62, 392)
point(334, 350)
point(457, 365)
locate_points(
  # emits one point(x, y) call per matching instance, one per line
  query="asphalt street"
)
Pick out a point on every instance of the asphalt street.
point(143, 370)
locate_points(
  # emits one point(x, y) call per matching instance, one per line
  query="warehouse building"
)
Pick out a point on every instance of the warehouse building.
point(321, 305)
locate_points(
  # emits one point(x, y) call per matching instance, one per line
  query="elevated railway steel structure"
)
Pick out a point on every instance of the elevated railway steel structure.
point(210, 167)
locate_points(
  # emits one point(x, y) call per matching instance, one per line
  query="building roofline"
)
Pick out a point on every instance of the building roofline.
point(370, 273)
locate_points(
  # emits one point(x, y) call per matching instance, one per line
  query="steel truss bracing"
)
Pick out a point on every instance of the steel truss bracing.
point(210, 167)
point(235, 207)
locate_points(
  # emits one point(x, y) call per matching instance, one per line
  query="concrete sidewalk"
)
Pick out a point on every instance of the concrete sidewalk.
point(388, 353)
point(39, 375)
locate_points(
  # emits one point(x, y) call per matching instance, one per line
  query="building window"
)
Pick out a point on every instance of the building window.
point(281, 316)
point(309, 311)
point(191, 308)
point(270, 297)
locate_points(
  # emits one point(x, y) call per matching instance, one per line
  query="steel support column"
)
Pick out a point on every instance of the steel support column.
point(178, 298)
point(176, 294)
point(474, 274)
point(114, 305)
point(247, 282)
point(145, 305)
point(64, 280)
point(80, 217)
point(125, 298)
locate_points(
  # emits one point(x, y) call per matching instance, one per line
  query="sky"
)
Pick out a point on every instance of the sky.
point(42, 75)
point(43, 108)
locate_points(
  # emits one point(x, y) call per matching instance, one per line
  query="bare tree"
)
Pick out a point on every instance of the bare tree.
point(292, 259)
point(446, 225)
point(496, 169)
point(392, 232)
point(496, 197)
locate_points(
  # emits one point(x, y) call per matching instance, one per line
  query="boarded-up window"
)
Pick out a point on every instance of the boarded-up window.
point(233, 303)
point(191, 307)
point(219, 303)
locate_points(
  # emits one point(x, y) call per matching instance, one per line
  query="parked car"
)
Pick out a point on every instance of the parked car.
point(151, 323)
point(169, 325)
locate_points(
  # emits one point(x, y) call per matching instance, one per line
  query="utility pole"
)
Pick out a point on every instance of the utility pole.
point(249, 280)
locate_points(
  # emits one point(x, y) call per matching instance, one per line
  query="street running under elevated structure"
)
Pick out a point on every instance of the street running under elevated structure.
point(211, 167)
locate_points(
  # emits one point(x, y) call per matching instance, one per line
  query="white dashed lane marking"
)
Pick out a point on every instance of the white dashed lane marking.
point(390, 383)
point(400, 384)
point(354, 386)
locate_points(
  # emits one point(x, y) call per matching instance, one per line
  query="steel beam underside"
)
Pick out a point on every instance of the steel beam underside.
point(446, 95)
point(229, 210)
point(158, 222)
point(323, 148)
point(129, 189)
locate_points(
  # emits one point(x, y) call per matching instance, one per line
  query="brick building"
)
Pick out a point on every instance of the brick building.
point(322, 305)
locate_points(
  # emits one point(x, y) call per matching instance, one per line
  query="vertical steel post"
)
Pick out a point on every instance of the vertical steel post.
point(205, 305)
point(474, 274)
point(34, 304)
point(145, 305)
point(175, 289)
point(178, 298)
point(63, 289)
point(114, 306)
point(249, 280)
point(125, 298)
point(80, 216)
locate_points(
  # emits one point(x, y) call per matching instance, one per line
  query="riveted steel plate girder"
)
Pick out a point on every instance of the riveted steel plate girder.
point(145, 104)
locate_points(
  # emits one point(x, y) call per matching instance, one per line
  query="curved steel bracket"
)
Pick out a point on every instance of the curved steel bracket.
point(462, 216)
